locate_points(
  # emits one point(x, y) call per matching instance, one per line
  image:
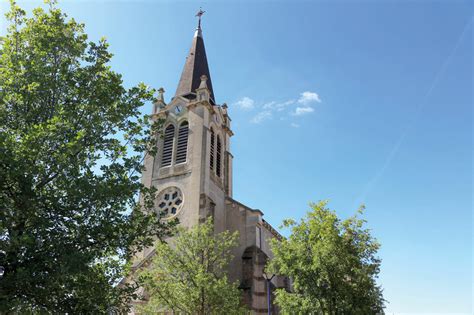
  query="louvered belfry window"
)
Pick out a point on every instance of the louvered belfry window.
point(218, 157)
point(182, 146)
point(167, 146)
point(212, 149)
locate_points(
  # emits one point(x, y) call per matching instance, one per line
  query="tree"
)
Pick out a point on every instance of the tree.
point(71, 146)
point(332, 264)
point(188, 275)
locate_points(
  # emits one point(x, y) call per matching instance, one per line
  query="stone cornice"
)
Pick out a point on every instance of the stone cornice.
point(230, 200)
point(270, 228)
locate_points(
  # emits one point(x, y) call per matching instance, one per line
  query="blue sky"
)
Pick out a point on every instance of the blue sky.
point(352, 101)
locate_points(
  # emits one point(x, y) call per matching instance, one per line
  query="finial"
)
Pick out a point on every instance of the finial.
point(203, 90)
point(203, 82)
point(199, 14)
point(160, 101)
point(161, 92)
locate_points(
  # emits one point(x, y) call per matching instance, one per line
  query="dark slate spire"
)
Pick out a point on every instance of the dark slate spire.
point(195, 66)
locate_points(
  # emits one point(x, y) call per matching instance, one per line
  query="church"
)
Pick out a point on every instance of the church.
point(193, 174)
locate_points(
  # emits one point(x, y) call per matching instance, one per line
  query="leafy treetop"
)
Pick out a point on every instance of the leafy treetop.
point(188, 275)
point(332, 264)
point(72, 141)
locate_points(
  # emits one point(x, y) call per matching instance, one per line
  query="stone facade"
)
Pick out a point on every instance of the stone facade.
point(201, 185)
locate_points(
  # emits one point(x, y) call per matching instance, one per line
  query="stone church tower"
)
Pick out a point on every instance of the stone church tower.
point(193, 174)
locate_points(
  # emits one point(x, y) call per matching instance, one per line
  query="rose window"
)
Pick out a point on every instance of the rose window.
point(170, 201)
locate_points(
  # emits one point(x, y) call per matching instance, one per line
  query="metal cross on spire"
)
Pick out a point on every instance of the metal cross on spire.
point(199, 14)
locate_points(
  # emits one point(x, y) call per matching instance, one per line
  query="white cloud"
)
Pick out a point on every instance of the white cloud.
point(303, 104)
point(269, 105)
point(266, 114)
point(299, 111)
point(308, 97)
point(245, 103)
point(278, 106)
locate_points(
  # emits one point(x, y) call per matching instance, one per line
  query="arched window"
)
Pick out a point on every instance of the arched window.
point(218, 156)
point(167, 146)
point(182, 146)
point(212, 149)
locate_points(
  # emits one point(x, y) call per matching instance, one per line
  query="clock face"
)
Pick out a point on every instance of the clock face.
point(178, 109)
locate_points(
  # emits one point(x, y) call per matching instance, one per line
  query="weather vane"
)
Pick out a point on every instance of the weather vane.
point(199, 14)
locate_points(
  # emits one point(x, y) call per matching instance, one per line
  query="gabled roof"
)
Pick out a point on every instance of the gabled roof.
point(194, 67)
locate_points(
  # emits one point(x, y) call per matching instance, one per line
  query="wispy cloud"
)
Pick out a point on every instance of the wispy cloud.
point(264, 115)
point(303, 104)
point(245, 103)
point(294, 125)
point(278, 106)
point(299, 111)
point(308, 97)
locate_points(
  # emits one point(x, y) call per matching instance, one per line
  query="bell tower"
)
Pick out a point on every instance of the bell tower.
point(193, 167)
point(192, 172)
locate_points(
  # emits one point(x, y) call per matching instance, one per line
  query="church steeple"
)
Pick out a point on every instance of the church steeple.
point(195, 66)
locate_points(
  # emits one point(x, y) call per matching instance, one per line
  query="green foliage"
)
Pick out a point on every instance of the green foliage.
point(188, 275)
point(71, 145)
point(332, 264)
